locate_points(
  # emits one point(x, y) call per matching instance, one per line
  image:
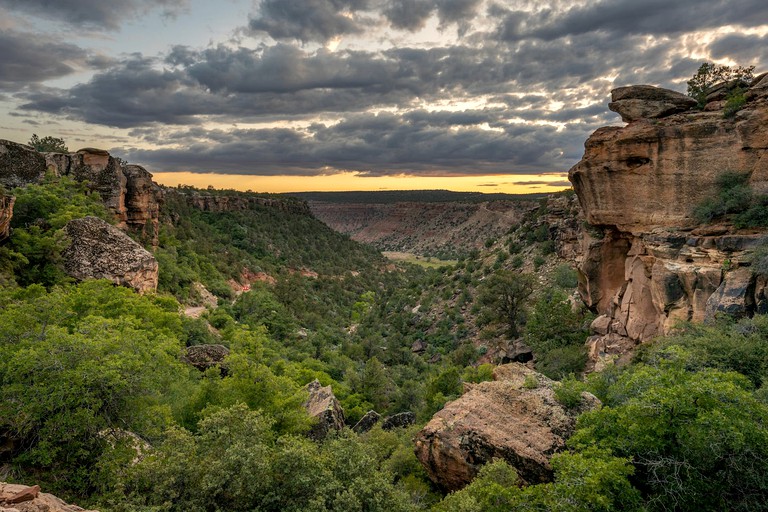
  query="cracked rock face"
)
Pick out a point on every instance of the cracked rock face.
point(515, 417)
point(99, 250)
point(645, 263)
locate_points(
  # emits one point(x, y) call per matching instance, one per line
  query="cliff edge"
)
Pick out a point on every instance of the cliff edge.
point(647, 261)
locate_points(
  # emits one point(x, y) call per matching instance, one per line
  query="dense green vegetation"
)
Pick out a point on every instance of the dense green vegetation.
point(97, 405)
point(735, 201)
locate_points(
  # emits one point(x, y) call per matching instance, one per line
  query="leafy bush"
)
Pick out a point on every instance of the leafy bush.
point(565, 277)
point(734, 200)
point(556, 334)
point(699, 440)
point(710, 74)
point(48, 144)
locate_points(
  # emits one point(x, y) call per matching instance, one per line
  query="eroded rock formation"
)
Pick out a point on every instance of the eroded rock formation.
point(646, 263)
point(99, 250)
point(515, 417)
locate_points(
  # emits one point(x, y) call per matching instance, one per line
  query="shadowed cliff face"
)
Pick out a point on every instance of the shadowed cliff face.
point(646, 264)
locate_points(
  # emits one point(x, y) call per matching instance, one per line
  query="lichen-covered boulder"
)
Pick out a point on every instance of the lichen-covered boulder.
point(203, 357)
point(19, 165)
point(323, 406)
point(367, 422)
point(99, 250)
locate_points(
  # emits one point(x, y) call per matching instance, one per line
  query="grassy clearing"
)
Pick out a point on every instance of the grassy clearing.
point(427, 262)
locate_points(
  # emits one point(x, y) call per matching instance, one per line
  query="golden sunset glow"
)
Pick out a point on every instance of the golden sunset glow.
point(506, 183)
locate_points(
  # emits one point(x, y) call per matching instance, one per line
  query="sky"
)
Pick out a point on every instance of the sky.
point(297, 95)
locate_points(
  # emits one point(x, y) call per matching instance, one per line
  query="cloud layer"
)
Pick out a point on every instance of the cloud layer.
point(430, 87)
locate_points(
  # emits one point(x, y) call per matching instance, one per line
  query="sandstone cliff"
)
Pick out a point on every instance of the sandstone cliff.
point(236, 201)
point(646, 263)
point(127, 191)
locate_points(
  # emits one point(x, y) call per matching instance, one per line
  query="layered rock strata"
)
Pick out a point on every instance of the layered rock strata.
point(646, 264)
point(515, 417)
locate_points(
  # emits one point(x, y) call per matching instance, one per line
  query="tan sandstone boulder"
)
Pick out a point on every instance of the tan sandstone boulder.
point(22, 498)
point(99, 250)
point(516, 418)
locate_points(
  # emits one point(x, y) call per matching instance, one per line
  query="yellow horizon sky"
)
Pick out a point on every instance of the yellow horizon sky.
point(350, 181)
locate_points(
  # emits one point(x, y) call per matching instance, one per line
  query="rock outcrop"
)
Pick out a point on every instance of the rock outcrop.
point(515, 417)
point(646, 263)
point(399, 420)
point(128, 191)
point(21, 498)
point(99, 250)
point(6, 214)
point(323, 406)
point(367, 422)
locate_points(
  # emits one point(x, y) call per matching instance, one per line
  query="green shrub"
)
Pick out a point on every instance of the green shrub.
point(565, 277)
point(568, 392)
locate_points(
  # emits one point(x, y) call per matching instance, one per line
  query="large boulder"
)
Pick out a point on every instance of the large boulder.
point(648, 102)
point(19, 165)
point(367, 422)
point(323, 406)
point(515, 417)
point(103, 173)
point(99, 250)
point(22, 498)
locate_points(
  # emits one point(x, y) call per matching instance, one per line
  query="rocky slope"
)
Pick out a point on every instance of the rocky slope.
point(646, 263)
point(420, 227)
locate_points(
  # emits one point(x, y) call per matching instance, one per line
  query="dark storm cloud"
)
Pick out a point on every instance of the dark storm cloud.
point(93, 13)
point(322, 20)
point(307, 20)
point(626, 17)
point(741, 48)
point(409, 14)
point(375, 145)
point(29, 59)
point(282, 80)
